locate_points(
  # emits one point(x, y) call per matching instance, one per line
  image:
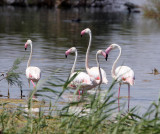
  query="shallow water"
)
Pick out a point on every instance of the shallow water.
point(53, 32)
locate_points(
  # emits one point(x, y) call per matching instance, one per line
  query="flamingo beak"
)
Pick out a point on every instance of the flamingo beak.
point(25, 46)
point(107, 51)
point(82, 32)
point(106, 57)
point(66, 55)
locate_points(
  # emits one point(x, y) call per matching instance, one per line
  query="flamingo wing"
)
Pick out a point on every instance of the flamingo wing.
point(125, 74)
point(33, 73)
point(82, 79)
point(94, 74)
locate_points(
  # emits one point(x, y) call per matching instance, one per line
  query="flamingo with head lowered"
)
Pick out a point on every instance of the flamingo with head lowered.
point(83, 79)
point(123, 74)
point(93, 72)
point(33, 73)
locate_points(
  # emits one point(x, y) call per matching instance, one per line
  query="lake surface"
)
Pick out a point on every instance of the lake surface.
point(53, 32)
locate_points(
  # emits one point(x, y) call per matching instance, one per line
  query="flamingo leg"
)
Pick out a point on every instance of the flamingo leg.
point(79, 92)
point(8, 90)
point(34, 97)
point(128, 96)
point(118, 97)
point(33, 83)
point(21, 93)
point(29, 83)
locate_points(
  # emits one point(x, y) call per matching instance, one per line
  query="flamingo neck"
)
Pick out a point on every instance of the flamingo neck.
point(30, 57)
point(87, 53)
point(115, 62)
point(74, 64)
point(99, 69)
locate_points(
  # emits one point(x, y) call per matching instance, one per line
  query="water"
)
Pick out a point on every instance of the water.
point(53, 32)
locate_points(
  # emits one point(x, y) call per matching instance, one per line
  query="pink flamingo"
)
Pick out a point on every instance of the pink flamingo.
point(33, 73)
point(83, 79)
point(93, 72)
point(123, 74)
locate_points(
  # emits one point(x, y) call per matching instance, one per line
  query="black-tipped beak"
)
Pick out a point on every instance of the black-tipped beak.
point(81, 35)
point(65, 55)
point(106, 57)
point(25, 48)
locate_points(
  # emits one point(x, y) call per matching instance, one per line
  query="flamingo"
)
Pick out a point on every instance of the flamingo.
point(83, 78)
point(93, 72)
point(33, 73)
point(123, 74)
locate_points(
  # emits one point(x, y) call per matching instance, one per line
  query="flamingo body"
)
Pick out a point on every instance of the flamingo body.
point(125, 75)
point(94, 74)
point(94, 71)
point(33, 73)
point(82, 80)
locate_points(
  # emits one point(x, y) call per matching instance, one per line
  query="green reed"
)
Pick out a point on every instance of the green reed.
point(89, 113)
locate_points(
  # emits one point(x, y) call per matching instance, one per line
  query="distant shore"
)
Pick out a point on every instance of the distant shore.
point(57, 3)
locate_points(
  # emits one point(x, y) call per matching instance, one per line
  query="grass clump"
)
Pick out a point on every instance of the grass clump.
point(12, 76)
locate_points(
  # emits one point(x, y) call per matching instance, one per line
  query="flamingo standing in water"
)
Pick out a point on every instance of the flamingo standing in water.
point(83, 79)
point(93, 72)
point(123, 74)
point(33, 73)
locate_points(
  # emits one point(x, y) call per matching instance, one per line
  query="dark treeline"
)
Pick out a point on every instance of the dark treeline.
point(57, 3)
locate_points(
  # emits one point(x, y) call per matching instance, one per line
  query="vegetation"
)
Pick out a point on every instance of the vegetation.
point(12, 76)
point(152, 10)
point(89, 113)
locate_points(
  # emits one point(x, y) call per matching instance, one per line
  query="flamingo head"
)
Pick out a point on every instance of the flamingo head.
point(111, 47)
point(102, 53)
point(99, 52)
point(27, 43)
point(87, 30)
point(71, 50)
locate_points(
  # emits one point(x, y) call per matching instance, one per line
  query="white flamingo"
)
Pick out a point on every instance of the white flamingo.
point(123, 74)
point(33, 73)
point(83, 79)
point(93, 72)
